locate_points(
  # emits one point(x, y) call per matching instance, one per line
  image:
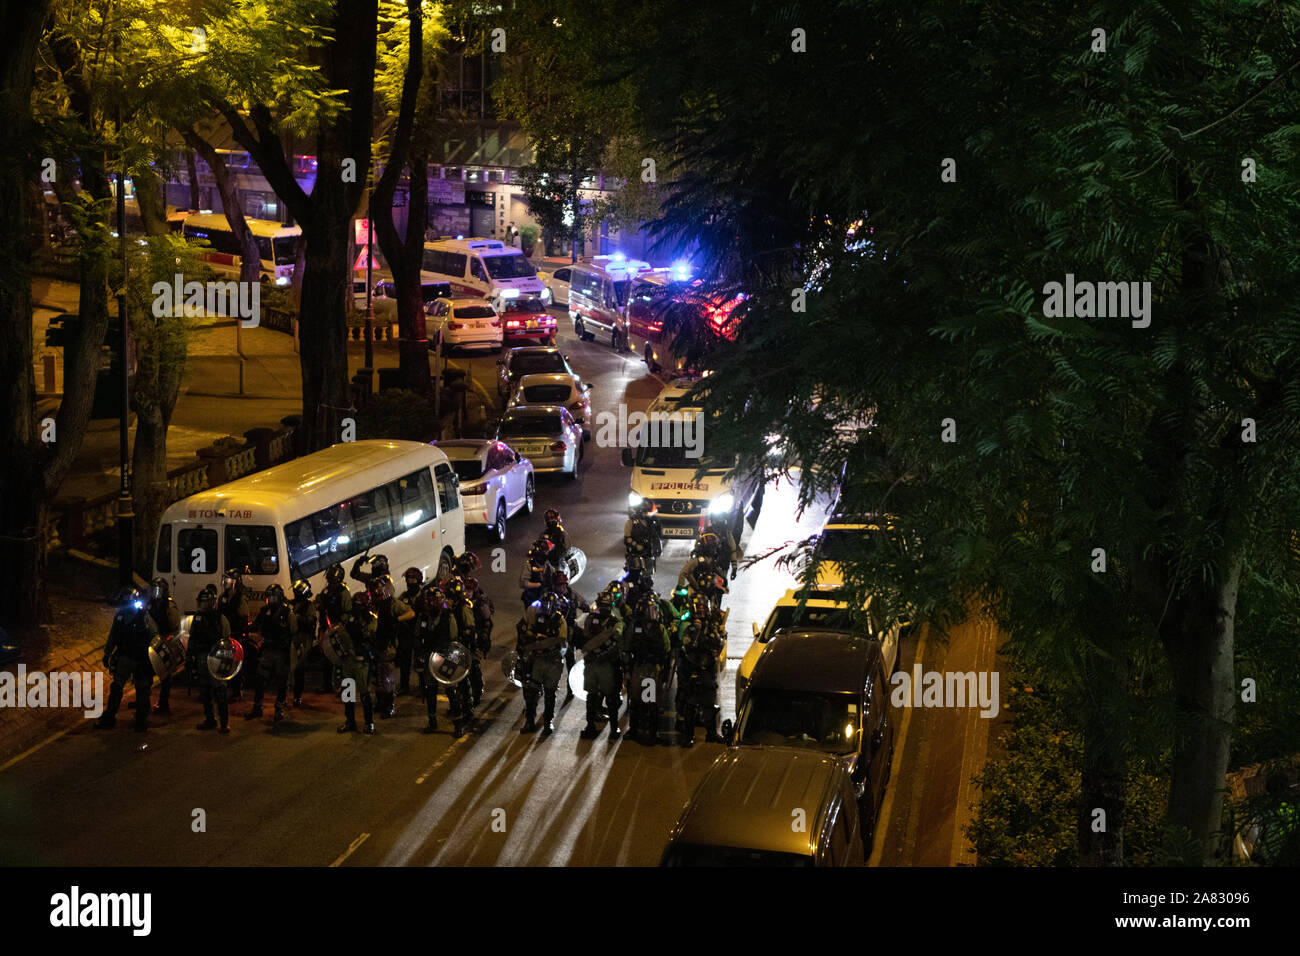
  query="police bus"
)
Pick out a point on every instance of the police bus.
point(277, 245)
point(485, 268)
point(295, 519)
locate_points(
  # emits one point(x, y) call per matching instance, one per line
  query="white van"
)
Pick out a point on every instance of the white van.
point(294, 520)
point(277, 244)
point(664, 469)
point(599, 292)
point(486, 268)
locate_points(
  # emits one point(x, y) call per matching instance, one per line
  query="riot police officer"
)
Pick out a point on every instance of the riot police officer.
point(361, 626)
point(277, 624)
point(436, 628)
point(167, 619)
point(604, 655)
point(234, 606)
point(461, 694)
point(535, 576)
point(484, 614)
point(571, 602)
point(697, 675)
point(414, 579)
point(126, 655)
point(722, 548)
point(376, 567)
point(393, 616)
point(649, 648)
point(334, 606)
point(543, 634)
point(209, 627)
point(304, 637)
point(558, 537)
point(642, 536)
point(637, 578)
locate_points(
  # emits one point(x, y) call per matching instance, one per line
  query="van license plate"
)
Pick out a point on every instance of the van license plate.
point(679, 532)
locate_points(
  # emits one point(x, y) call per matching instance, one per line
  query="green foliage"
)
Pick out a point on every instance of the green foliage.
point(398, 413)
point(1028, 807)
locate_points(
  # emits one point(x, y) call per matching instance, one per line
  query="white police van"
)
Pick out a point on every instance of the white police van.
point(487, 268)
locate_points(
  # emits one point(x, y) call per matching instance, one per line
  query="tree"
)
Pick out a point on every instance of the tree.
point(924, 301)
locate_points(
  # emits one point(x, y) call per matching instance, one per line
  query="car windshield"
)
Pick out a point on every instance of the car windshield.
point(527, 363)
point(531, 426)
point(467, 469)
point(691, 854)
point(791, 718)
point(842, 544)
point(475, 312)
point(821, 618)
point(509, 267)
point(546, 394)
point(620, 290)
point(678, 452)
point(530, 305)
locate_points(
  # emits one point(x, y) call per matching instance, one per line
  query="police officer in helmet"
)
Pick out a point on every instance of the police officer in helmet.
point(277, 623)
point(126, 655)
point(414, 579)
point(167, 619)
point(209, 627)
point(542, 635)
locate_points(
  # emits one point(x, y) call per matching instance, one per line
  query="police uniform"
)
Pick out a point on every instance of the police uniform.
point(167, 620)
point(697, 679)
point(233, 605)
point(126, 654)
point(362, 626)
point(300, 648)
point(278, 625)
point(649, 650)
point(604, 656)
point(484, 612)
point(208, 628)
point(570, 601)
point(436, 628)
point(406, 640)
point(642, 537)
point(541, 648)
point(534, 578)
point(334, 605)
point(388, 631)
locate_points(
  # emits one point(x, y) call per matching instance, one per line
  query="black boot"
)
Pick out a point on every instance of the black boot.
point(530, 716)
point(223, 712)
point(711, 735)
point(349, 725)
point(614, 705)
point(548, 714)
point(591, 731)
point(650, 728)
point(256, 712)
point(108, 723)
point(279, 712)
point(368, 709)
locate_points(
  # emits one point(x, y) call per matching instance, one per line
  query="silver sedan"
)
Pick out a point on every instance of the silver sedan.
point(546, 435)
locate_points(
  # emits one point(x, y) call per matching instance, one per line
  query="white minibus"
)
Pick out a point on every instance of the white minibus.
point(277, 244)
point(293, 520)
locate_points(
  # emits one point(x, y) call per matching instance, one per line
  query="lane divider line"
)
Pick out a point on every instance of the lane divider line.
point(352, 847)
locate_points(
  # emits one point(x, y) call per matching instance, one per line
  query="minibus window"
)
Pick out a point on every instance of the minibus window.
point(476, 270)
point(412, 499)
point(509, 266)
point(372, 521)
point(196, 551)
point(164, 561)
point(332, 535)
point(454, 264)
point(301, 540)
point(251, 548)
point(448, 495)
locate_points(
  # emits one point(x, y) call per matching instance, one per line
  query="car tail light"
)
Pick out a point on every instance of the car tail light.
point(512, 324)
point(559, 446)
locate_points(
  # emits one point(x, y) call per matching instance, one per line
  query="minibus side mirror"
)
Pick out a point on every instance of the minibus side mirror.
point(626, 457)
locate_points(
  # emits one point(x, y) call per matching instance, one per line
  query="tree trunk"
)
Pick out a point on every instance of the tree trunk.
point(323, 334)
point(1105, 760)
point(250, 268)
point(1200, 646)
point(193, 168)
point(153, 206)
point(413, 346)
point(149, 469)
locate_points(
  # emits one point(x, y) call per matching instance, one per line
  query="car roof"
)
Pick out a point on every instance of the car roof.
point(746, 800)
point(464, 449)
point(819, 596)
point(529, 349)
point(815, 660)
point(534, 411)
point(463, 300)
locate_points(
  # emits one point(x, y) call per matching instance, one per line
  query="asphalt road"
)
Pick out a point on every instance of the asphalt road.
point(304, 795)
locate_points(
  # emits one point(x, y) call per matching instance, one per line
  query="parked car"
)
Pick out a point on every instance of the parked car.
point(531, 360)
point(527, 318)
point(862, 535)
point(823, 691)
point(465, 323)
point(825, 609)
point(495, 481)
point(741, 813)
point(546, 434)
point(558, 283)
point(555, 388)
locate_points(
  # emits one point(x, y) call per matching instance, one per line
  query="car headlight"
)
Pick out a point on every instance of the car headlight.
point(722, 503)
point(633, 499)
point(282, 280)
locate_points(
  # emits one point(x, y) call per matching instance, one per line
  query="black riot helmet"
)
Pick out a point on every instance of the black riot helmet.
point(548, 607)
point(467, 562)
point(207, 598)
point(274, 595)
point(379, 565)
point(233, 578)
point(159, 590)
point(648, 606)
point(381, 588)
point(553, 517)
point(334, 574)
point(414, 577)
point(301, 590)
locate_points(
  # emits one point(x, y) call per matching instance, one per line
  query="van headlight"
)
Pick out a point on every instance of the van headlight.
point(633, 499)
point(722, 503)
point(282, 280)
